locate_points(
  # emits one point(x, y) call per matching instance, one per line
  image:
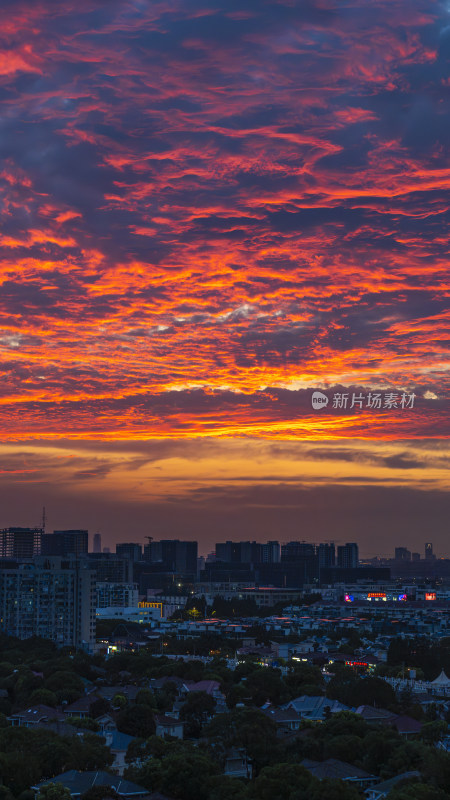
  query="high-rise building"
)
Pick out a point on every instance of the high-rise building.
point(65, 543)
point(347, 555)
point(21, 543)
point(173, 555)
point(129, 550)
point(429, 552)
point(415, 557)
point(228, 551)
point(402, 554)
point(116, 594)
point(97, 543)
point(327, 554)
point(49, 597)
point(111, 568)
point(270, 553)
point(293, 551)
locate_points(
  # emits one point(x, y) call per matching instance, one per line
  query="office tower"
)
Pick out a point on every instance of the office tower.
point(402, 554)
point(270, 553)
point(415, 557)
point(21, 543)
point(50, 597)
point(173, 555)
point(129, 550)
point(429, 552)
point(293, 551)
point(97, 543)
point(327, 554)
point(65, 543)
point(347, 555)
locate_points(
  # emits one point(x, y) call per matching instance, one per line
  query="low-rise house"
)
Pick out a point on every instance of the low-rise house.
point(118, 744)
point(34, 715)
point(316, 708)
point(82, 707)
point(335, 769)
point(107, 724)
point(237, 764)
point(374, 715)
point(405, 726)
point(169, 726)
point(381, 790)
point(80, 782)
point(287, 720)
point(129, 692)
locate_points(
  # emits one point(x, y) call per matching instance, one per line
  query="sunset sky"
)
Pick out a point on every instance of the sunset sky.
point(209, 211)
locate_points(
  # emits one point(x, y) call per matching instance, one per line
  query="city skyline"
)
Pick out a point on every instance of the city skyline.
point(25, 542)
point(224, 289)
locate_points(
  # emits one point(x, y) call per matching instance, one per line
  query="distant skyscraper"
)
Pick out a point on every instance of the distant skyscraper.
point(429, 552)
point(64, 543)
point(415, 557)
point(402, 554)
point(20, 542)
point(327, 554)
point(173, 555)
point(270, 553)
point(129, 550)
point(347, 555)
point(293, 551)
point(97, 543)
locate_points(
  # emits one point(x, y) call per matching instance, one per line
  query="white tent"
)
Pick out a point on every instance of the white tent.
point(441, 680)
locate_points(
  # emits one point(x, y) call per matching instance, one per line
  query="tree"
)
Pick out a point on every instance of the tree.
point(224, 788)
point(333, 790)
point(100, 793)
point(195, 712)
point(66, 685)
point(176, 769)
point(136, 720)
point(417, 791)
point(432, 732)
point(247, 728)
point(344, 747)
point(89, 752)
point(282, 782)
point(53, 791)
point(266, 683)
point(304, 676)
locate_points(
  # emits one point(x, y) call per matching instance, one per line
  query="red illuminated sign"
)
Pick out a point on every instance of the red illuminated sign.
point(430, 595)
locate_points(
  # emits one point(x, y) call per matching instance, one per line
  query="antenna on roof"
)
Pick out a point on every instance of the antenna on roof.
point(44, 518)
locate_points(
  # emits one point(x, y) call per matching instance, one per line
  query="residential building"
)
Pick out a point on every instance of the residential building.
point(78, 783)
point(270, 553)
point(294, 551)
point(130, 550)
point(65, 543)
point(21, 543)
point(116, 594)
point(348, 555)
point(173, 555)
point(50, 597)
